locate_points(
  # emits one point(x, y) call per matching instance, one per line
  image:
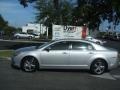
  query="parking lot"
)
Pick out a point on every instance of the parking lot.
point(15, 79)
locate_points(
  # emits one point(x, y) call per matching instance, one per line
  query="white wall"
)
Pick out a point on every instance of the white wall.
point(37, 28)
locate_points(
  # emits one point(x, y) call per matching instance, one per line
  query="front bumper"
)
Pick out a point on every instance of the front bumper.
point(14, 63)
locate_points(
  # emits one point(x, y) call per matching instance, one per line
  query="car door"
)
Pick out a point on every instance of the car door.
point(80, 53)
point(23, 35)
point(55, 55)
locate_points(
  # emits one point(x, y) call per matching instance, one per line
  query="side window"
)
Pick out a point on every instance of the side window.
point(81, 46)
point(59, 46)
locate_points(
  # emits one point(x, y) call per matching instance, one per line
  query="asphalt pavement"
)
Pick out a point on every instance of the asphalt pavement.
point(15, 79)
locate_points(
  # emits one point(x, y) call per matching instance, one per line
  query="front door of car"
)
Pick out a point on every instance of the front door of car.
point(55, 55)
point(80, 53)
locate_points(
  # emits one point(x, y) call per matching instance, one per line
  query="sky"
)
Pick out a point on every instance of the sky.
point(15, 13)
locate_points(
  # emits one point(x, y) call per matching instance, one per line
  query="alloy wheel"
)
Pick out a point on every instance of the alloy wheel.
point(29, 64)
point(98, 67)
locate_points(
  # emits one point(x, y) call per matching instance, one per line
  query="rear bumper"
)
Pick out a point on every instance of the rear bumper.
point(114, 65)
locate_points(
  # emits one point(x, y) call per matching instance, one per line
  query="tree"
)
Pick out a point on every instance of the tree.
point(4, 27)
point(97, 10)
point(3, 23)
point(48, 13)
point(9, 30)
point(90, 12)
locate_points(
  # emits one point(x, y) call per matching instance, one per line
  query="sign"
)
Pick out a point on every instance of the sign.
point(66, 32)
point(84, 32)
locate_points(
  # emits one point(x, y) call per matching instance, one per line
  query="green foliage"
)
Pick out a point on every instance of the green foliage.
point(89, 12)
point(97, 10)
point(8, 30)
point(6, 53)
point(48, 14)
point(65, 13)
point(3, 23)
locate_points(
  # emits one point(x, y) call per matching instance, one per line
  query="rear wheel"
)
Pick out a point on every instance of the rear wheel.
point(29, 64)
point(98, 67)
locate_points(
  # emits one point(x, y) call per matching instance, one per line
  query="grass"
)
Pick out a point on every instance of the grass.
point(6, 53)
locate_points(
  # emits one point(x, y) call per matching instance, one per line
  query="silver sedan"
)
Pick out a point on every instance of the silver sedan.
point(66, 54)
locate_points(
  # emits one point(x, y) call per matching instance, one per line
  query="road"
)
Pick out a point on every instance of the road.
point(15, 79)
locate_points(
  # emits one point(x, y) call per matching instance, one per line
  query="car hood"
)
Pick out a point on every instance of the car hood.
point(31, 48)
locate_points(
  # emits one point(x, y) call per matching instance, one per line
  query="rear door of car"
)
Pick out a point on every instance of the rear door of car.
point(80, 53)
point(23, 35)
point(55, 55)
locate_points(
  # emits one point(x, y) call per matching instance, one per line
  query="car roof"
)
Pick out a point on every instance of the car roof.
point(82, 40)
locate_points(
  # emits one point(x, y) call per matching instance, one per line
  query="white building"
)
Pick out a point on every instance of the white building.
point(35, 28)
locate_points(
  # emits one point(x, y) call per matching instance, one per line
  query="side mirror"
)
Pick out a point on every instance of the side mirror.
point(47, 49)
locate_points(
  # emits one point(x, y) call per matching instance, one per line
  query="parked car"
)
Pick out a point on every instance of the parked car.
point(23, 35)
point(89, 38)
point(115, 37)
point(111, 36)
point(36, 35)
point(66, 54)
point(106, 36)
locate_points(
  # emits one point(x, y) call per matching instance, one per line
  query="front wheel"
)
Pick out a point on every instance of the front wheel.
point(98, 67)
point(98, 43)
point(30, 37)
point(29, 64)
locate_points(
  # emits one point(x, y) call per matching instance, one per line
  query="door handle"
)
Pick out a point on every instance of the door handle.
point(91, 53)
point(64, 52)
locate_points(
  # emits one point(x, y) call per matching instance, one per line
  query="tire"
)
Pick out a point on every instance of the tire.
point(30, 37)
point(98, 67)
point(29, 64)
point(98, 43)
point(17, 37)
